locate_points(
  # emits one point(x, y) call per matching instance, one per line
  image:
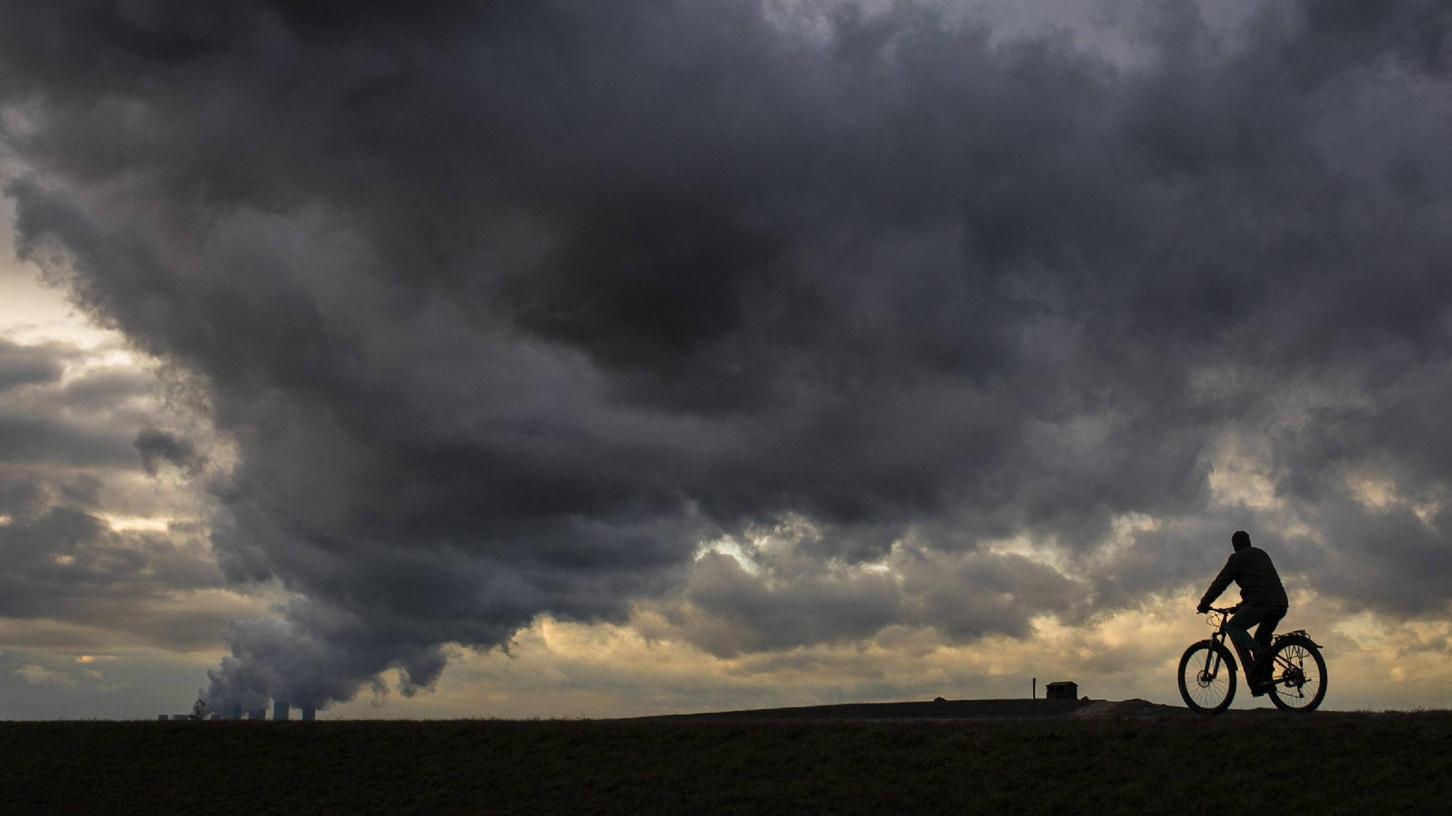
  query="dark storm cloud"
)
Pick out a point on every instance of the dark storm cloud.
point(507, 306)
point(157, 446)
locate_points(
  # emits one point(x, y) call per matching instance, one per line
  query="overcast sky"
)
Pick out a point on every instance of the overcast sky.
point(570, 358)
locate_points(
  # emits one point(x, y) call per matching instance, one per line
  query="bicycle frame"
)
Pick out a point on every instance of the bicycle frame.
point(1247, 661)
point(1221, 636)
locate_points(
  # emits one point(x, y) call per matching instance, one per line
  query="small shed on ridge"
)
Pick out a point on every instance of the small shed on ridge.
point(1062, 690)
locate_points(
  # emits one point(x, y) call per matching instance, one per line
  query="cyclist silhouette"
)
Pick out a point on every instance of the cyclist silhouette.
point(1262, 601)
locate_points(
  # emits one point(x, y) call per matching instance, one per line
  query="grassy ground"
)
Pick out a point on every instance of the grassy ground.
point(1270, 763)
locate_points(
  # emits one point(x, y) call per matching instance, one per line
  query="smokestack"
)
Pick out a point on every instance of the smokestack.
point(280, 711)
point(309, 713)
point(257, 713)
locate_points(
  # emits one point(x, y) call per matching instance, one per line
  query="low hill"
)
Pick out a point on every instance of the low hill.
point(1078, 761)
point(938, 710)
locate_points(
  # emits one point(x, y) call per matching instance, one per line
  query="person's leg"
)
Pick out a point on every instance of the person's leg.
point(1267, 628)
point(1263, 636)
point(1238, 627)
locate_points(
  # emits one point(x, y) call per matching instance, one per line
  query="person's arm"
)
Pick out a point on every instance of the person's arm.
point(1217, 586)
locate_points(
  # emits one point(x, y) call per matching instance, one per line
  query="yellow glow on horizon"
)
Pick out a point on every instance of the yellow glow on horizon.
point(568, 668)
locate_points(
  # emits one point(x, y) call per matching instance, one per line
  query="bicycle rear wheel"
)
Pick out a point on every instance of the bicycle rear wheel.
point(1298, 675)
point(1207, 677)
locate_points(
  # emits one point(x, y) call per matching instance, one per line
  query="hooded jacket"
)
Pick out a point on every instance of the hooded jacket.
point(1250, 567)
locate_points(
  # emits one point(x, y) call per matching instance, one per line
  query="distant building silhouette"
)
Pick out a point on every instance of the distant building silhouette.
point(1062, 690)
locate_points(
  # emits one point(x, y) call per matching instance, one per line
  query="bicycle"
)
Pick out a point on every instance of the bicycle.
point(1297, 679)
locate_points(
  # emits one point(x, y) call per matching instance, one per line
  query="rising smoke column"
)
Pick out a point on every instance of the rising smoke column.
point(501, 309)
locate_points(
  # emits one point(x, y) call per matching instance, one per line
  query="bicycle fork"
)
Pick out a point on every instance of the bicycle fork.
point(1212, 663)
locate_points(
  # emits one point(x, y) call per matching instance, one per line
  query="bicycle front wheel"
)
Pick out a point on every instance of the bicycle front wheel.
point(1298, 675)
point(1207, 677)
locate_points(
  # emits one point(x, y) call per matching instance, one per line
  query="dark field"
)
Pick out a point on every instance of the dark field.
point(1261, 761)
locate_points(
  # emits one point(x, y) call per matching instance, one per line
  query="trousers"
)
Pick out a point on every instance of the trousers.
point(1238, 627)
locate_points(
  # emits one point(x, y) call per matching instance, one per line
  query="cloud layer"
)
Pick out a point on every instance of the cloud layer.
point(505, 309)
point(79, 573)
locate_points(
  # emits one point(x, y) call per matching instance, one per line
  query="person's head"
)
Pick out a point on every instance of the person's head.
point(1240, 540)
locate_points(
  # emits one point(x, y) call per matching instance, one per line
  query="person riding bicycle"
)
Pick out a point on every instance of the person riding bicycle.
point(1262, 601)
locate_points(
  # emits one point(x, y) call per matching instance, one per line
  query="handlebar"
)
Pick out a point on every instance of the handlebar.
point(1223, 612)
